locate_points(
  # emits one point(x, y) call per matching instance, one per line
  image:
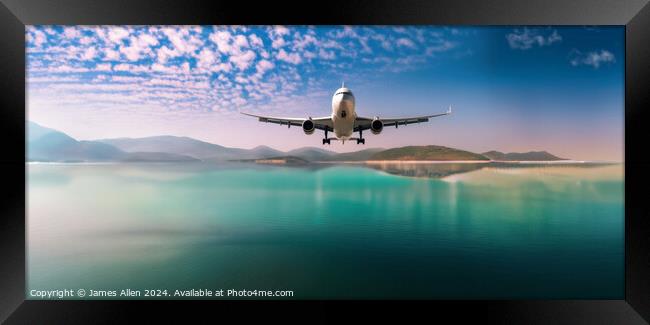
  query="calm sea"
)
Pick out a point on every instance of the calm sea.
point(448, 231)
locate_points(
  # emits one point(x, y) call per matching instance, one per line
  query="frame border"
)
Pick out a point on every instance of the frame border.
point(634, 14)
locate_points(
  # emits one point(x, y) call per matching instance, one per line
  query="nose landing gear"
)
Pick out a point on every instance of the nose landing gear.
point(326, 140)
point(361, 139)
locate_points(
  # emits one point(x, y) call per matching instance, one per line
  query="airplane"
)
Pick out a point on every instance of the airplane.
point(344, 120)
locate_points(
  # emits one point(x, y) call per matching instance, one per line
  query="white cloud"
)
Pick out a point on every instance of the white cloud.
point(594, 59)
point(181, 40)
point(131, 68)
point(255, 40)
point(224, 66)
point(111, 55)
point(280, 30)
point(148, 40)
point(442, 47)
point(89, 54)
point(87, 40)
point(243, 60)
point(293, 58)
point(206, 58)
point(39, 38)
point(263, 66)
point(67, 69)
point(304, 41)
point(276, 34)
point(122, 67)
point(241, 80)
point(241, 41)
point(278, 42)
point(71, 32)
point(138, 47)
point(326, 55)
point(405, 42)
point(527, 38)
point(231, 67)
point(164, 53)
point(222, 40)
point(383, 41)
point(103, 67)
point(116, 34)
point(309, 55)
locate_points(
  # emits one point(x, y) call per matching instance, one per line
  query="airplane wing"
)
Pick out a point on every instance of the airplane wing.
point(321, 123)
point(363, 123)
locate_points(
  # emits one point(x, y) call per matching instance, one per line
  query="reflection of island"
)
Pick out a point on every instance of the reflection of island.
point(44, 144)
point(441, 170)
point(433, 170)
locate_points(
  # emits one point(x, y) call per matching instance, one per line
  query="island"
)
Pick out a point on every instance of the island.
point(521, 156)
point(427, 153)
point(283, 160)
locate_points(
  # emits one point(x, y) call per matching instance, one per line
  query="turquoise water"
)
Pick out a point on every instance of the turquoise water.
point(329, 233)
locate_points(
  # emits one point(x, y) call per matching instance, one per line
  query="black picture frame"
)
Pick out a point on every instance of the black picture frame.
point(634, 14)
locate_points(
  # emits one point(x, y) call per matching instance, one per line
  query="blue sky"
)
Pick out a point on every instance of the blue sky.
point(551, 88)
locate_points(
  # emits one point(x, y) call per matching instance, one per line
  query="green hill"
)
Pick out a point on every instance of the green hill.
point(426, 153)
point(522, 156)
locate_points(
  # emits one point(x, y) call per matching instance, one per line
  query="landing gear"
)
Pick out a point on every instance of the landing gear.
point(326, 140)
point(361, 139)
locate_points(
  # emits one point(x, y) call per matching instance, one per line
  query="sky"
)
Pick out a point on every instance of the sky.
point(512, 88)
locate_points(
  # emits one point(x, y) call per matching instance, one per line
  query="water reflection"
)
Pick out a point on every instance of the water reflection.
point(441, 169)
point(330, 230)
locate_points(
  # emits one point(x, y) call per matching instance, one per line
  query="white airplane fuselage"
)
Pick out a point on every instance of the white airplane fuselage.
point(343, 113)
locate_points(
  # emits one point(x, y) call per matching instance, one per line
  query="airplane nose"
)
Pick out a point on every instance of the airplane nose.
point(346, 101)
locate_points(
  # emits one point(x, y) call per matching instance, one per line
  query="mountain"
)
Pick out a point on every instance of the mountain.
point(156, 157)
point(44, 144)
point(177, 145)
point(312, 154)
point(190, 147)
point(261, 152)
point(426, 153)
point(35, 131)
point(522, 156)
point(360, 155)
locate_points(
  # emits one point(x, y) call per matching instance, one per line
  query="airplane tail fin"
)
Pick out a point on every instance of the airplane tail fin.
point(449, 110)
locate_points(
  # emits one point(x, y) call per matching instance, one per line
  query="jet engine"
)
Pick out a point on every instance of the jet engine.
point(376, 126)
point(308, 126)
